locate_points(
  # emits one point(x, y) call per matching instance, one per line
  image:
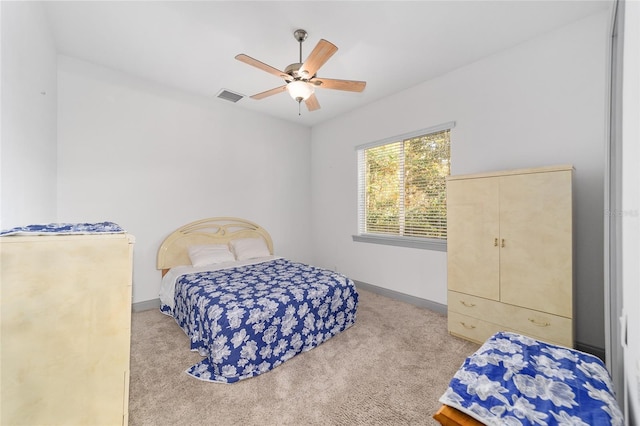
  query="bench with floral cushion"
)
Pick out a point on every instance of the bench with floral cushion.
point(516, 380)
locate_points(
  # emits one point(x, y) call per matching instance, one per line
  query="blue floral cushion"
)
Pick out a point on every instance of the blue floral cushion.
point(65, 228)
point(516, 380)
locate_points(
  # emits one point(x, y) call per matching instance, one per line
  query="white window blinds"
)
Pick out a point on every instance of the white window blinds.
point(402, 185)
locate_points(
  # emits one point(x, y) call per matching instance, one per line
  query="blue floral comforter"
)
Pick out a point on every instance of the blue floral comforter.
point(516, 380)
point(65, 228)
point(249, 319)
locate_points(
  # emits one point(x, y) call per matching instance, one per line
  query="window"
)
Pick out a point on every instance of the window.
point(402, 189)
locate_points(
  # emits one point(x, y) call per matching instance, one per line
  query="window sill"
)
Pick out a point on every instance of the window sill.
point(411, 242)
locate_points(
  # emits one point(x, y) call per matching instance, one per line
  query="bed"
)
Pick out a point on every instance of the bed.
point(245, 310)
point(516, 380)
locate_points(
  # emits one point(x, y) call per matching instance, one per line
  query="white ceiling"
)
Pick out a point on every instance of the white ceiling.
point(391, 45)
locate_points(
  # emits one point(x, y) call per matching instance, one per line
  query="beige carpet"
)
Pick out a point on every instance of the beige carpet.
point(390, 368)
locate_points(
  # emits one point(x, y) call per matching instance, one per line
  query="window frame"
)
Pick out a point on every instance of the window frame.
point(396, 240)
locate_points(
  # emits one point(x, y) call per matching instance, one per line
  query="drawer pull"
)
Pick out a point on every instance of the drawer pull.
point(470, 327)
point(467, 304)
point(539, 324)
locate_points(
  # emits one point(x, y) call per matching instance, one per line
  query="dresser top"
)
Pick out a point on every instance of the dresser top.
point(557, 168)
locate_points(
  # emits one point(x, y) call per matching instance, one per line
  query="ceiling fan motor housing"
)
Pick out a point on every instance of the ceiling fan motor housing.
point(293, 71)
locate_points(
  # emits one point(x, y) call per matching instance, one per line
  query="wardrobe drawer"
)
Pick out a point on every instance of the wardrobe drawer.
point(472, 328)
point(472, 306)
point(541, 325)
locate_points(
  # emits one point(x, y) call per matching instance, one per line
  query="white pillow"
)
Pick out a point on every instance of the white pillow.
point(210, 254)
point(249, 248)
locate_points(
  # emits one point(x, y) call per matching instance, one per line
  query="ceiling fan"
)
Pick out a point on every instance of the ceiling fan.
point(300, 77)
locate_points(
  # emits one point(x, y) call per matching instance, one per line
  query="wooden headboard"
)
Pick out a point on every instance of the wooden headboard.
point(216, 230)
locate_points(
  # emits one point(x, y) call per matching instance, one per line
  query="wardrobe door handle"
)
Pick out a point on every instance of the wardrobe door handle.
point(502, 245)
point(495, 242)
point(470, 327)
point(539, 324)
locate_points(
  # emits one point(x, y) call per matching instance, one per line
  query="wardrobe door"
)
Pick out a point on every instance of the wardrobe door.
point(66, 318)
point(472, 240)
point(536, 245)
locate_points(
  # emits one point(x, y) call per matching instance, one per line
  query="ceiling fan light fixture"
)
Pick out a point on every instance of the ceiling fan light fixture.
point(300, 90)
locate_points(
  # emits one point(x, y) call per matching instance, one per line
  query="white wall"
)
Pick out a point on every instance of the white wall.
point(152, 159)
point(28, 136)
point(540, 103)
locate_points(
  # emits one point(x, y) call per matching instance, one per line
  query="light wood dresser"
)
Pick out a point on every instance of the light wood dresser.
point(65, 329)
point(510, 254)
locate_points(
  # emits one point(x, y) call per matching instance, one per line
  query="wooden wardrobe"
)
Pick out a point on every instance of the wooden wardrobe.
point(510, 254)
point(65, 329)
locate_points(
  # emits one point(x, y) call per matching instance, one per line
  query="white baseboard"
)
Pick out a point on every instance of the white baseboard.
point(146, 305)
point(423, 303)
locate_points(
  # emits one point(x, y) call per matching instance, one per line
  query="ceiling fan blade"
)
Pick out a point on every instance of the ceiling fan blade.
point(312, 103)
point(262, 66)
point(270, 92)
point(317, 58)
point(332, 83)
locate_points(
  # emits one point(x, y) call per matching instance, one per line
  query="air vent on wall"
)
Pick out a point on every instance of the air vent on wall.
point(228, 95)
